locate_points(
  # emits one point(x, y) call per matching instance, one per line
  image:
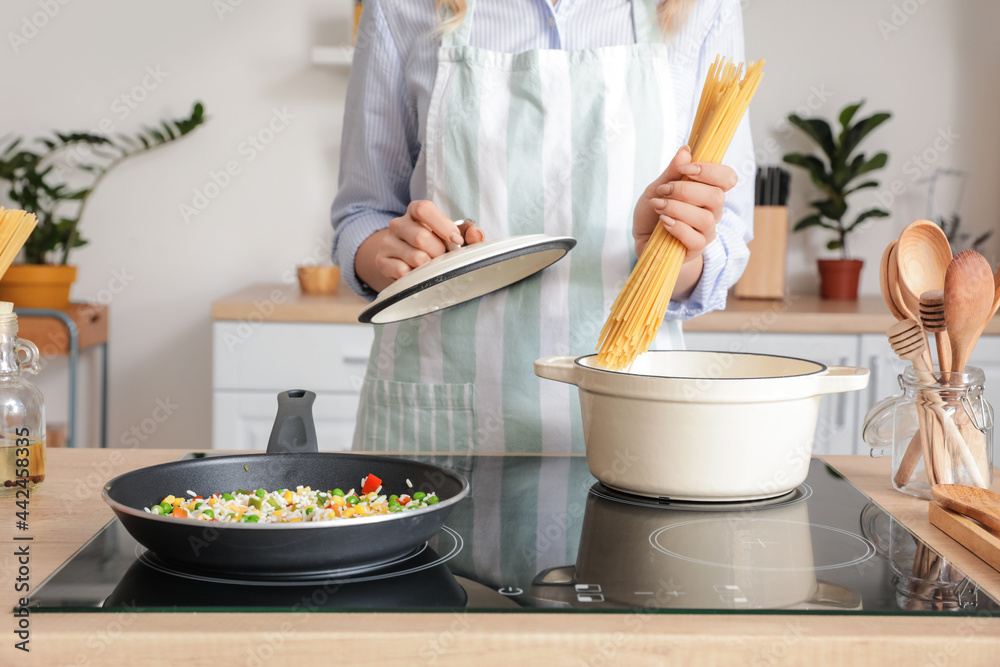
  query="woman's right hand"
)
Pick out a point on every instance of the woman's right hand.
point(411, 240)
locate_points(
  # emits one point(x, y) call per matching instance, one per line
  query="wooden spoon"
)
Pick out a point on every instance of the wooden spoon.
point(907, 308)
point(922, 255)
point(969, 293)
point(981, 505)
point(883, 279)
point(932, 320)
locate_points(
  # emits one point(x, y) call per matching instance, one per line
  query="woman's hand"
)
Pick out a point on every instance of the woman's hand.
point(689, 210)
point(411, 240)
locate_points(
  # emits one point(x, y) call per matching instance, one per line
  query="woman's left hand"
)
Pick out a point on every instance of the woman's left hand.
point(689, 210)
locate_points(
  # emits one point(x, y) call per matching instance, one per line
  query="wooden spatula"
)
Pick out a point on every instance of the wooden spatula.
point(982, 505)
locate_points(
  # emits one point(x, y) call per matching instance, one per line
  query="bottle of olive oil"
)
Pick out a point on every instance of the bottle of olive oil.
point(22, 410)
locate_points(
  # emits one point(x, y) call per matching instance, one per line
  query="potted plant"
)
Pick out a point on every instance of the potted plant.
point(835, 171)
point(39, 178)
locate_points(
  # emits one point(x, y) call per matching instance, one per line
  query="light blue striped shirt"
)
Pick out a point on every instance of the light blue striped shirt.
point(393, 73)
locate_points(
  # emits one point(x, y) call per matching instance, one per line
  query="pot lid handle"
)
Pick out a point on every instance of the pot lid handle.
point(294, 430)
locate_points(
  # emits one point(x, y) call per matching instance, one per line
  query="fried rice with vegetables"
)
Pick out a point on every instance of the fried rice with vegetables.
point(287, 506)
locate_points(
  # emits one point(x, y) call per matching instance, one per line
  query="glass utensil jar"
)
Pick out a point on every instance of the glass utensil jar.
point(940, 431)
point(22, 411)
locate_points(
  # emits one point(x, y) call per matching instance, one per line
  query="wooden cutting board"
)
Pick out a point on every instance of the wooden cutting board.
point(979, 540)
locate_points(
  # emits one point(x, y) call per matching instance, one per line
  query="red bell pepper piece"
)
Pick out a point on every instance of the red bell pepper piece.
point(371, 483)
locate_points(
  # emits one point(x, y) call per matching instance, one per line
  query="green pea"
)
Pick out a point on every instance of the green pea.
point(433, 500)
point(418, 495)
point(167, 508)
point(351, 500)
point(394, 497)
point(228, 496)
point(260, 493)
point(156, 509)
point(209, 513)
point(337, 492)
point(197, 505)
point(309, 510)
point(250, 518)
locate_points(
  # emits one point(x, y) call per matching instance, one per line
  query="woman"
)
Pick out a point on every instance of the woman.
point(529, 116)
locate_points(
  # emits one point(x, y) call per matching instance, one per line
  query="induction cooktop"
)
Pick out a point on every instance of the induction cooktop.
point(539, 534)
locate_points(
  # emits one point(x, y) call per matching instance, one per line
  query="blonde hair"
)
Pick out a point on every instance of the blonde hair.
point(671, 14)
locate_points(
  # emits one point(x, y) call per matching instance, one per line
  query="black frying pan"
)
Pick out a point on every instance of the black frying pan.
point(283, 550)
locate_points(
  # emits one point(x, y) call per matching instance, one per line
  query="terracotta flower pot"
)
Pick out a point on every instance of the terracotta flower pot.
point(838, 279)
point(37, 285)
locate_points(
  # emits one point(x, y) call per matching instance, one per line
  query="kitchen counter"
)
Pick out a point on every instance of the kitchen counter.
point(795, 314)
point(68, 509)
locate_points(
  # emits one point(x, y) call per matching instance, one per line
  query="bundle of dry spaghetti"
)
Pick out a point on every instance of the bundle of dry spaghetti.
point(15, 228)
point(638, 311)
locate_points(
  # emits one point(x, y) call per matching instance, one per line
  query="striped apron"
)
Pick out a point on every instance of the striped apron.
point(546, 141)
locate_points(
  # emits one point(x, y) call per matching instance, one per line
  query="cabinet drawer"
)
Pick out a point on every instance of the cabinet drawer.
point(279, 356)
point(243, 420)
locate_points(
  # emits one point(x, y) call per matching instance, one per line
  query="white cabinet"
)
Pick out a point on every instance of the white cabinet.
point(838, 430)
point(251, 363)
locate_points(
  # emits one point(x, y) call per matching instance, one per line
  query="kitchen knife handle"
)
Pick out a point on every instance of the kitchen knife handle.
point(294, 430)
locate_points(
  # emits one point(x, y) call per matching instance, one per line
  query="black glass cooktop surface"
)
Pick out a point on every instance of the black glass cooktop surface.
point(541, 534)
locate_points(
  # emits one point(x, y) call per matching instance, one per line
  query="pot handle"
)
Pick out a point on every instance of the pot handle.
point(839, 379)
point(294, 430)
point(560, 369)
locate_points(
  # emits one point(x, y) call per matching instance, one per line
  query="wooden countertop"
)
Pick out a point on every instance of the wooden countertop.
point(68, 509)
point(795, 314)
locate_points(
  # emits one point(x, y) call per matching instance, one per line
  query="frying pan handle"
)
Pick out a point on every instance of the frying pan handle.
point(294, 430)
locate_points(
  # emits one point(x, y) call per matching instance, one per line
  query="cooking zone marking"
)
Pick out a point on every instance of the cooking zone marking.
point(864, 548)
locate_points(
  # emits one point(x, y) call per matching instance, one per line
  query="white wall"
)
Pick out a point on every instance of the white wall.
point(243, 64)
point(936, 71)
point(931, 63)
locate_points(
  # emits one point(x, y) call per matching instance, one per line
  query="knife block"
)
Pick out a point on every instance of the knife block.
point(764, 277)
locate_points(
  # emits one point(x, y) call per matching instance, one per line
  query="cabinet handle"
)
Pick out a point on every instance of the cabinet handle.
point(356, 360)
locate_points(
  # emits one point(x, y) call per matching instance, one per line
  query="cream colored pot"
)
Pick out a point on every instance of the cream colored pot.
point(703, 426)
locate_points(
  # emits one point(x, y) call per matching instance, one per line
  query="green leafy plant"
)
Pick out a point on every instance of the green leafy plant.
point(836, 171)
point(39, 178)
